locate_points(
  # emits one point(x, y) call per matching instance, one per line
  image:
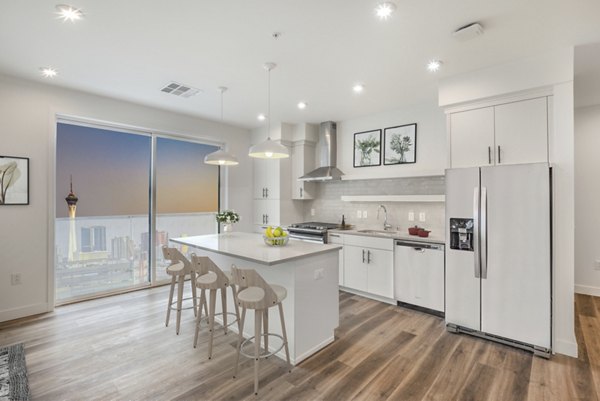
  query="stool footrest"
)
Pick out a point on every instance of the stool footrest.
point(184, 299)
point(265, 355)
point(221, 314)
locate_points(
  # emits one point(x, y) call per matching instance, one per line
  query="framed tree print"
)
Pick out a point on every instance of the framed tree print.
point(14, 180)
point(367, 148)
point(400, 144)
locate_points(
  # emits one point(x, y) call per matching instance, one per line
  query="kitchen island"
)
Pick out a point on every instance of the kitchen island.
point(309, 272)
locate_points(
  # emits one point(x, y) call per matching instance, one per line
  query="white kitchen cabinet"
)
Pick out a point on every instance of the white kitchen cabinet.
point(419, 274)
point(380, 272)
point(522, 132)
point(272, 188)
point(266, 212)
point(267, 179)
point(355, 269)
point(509, 133)
point(303, 161)
point(472, 138)
point(369, 265)
point(338, 239)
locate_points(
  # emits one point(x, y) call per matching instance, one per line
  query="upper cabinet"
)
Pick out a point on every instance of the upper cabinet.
point(472, 138)
point(511, 133)
point(303, 161)
point(522, 132)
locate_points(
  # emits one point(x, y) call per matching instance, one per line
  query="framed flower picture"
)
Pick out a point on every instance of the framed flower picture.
point(400, 144)
point(367, 148)
point(14, 180)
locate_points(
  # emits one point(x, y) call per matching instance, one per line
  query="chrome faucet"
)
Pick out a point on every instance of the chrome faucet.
point(386, 225)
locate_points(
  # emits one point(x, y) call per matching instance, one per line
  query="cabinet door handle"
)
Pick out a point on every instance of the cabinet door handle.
point(301, 192)
point(363, 256)
point(334, 235)
point(264, 219)
point(263, 192)
point(267, 218)
point(267, 192)
point(489, 155)
point(499, 160)
point(368, 256)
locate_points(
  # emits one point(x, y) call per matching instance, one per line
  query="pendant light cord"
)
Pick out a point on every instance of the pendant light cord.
point(269, 103)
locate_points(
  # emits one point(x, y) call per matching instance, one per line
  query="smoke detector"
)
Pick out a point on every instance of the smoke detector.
point(468, 32)
point(181, 90)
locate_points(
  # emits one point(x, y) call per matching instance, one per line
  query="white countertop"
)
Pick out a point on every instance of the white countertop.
point(433, 239)
point(250, 246)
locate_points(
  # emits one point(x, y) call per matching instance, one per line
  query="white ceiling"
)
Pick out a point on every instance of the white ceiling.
point(130, 49)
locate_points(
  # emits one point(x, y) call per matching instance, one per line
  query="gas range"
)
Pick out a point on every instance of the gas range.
point(311, 231)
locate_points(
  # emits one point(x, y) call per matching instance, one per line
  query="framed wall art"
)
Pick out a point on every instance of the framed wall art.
point(14, 180)
point(367, 148)
point(400, 144)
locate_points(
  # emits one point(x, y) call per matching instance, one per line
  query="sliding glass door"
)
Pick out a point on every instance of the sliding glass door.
point(187, 194)
point(112, 188)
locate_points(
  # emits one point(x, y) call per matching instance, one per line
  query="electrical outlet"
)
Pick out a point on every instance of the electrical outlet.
point(364, 214)
point(312, 212)
point(411, 216)
point(319, 274)
point(422, 216)
point(597, 264)
point(15, 279)
point(358, 214)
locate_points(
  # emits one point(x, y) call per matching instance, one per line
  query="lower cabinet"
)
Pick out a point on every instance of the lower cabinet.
point(369, 270)
point(339, 240)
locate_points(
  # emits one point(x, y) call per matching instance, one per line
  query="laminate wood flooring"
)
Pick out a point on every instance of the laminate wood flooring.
point(118, 348)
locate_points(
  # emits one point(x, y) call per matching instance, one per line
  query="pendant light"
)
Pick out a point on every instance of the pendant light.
point(221, 157)
point(269, 149)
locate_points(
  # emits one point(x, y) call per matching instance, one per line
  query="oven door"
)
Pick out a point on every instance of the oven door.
point(320, 239)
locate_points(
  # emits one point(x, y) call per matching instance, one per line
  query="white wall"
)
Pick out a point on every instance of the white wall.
point(27, 128)
point(587, 206)
point(431, 142)
point(552, 70)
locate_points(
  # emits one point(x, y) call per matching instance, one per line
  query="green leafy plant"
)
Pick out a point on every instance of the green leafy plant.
point(227, 217)
point(401, 145)
point(366, 147)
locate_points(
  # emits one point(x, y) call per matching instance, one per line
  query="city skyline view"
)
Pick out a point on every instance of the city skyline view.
point(111, 173)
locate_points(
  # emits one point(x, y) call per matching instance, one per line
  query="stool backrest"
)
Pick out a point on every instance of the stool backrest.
point(203, 264)
point(245, 278)
point(174, 255)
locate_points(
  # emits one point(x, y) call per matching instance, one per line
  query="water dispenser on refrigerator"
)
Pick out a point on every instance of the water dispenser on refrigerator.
point(461, 234)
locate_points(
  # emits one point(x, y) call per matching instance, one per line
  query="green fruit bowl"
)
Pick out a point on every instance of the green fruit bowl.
point(276, 241)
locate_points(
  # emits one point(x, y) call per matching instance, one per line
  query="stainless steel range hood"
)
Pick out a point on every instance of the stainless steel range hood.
point(326, 153)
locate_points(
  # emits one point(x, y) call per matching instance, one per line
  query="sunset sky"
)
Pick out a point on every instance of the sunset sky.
point(111, 173)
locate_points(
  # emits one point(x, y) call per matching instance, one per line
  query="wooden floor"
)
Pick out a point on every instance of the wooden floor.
point(118, 348)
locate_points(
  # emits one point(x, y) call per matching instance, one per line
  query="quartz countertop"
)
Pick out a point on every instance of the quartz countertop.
point(251, 247)
point(432, 239)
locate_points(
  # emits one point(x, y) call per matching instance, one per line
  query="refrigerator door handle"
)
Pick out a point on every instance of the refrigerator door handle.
point(477, 258)
point(483, 235)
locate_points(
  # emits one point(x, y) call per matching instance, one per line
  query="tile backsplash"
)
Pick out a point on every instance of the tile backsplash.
point(329, 207)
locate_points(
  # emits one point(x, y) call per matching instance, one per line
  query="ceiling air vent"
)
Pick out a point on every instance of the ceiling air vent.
point(181, 90)
point(468, 32)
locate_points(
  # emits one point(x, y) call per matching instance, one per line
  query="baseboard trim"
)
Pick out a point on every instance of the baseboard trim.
point(565, 347)
point(24, 311)
point(587, 290)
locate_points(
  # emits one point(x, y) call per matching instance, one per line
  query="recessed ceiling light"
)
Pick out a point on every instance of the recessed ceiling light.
point(68, 13)
point(261, 117)
point(434, 65)
point(385, 10)
point(48, 72)
point(358, 88)
point(302, 105)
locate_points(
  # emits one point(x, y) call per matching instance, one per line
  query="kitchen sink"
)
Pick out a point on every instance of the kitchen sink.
point(378, 232)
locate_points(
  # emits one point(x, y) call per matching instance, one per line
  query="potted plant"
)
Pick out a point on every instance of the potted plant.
point(227, 218)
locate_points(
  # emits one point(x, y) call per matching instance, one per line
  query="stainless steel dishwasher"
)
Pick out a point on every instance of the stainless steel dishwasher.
point(419, 274)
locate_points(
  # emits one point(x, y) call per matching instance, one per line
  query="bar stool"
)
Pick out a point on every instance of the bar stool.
point(180, 267)
point(211, 278)
point(254, 293)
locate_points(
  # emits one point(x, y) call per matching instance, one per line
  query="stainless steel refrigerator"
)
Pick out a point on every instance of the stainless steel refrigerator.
point(498, 254)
